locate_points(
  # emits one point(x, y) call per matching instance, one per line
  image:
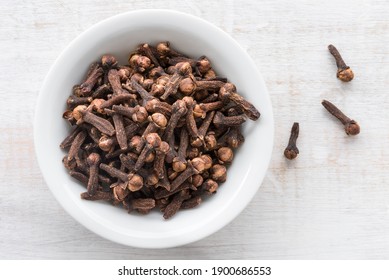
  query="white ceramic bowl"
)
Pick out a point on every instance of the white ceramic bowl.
point(119, 35)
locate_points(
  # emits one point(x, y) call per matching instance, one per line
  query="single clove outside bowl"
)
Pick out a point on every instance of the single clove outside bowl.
point(119, 35)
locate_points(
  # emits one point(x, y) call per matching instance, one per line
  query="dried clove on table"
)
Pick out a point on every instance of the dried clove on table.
point(158, 132)
point(351, 127)
point(291, 151)
point(344, 73)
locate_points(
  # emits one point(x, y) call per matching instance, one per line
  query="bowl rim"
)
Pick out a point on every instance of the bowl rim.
point(147, 243)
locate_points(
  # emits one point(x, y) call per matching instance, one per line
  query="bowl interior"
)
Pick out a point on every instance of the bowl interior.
point(119, 36)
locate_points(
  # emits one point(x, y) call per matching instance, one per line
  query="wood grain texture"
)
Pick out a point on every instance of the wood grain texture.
point(330, 203)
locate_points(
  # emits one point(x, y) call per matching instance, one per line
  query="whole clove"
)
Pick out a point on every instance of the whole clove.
point(351, 127)
point(291, 151)
point(344, 73)
point(93, 161)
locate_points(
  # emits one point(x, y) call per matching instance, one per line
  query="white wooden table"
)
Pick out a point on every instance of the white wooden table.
point(330, 203)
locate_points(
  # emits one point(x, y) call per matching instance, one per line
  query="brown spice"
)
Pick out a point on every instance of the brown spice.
point(76, 144)
point(152, 141)
point(179, 162)
point(101, 124)
point(79, 176)
point(221, 120)
point(344, 73)
point(219, 173)
point(99, 195)
point(350, 126)
point(195, 166)
point(225, 155)
point(190, 120)
point(121, 135)
point(143, 203)
point(67, 142)
point(94, 73)
point(181, 69)
point(178, 110)
point(228, 92)
point(93, 161)
point(191, 203)
point(291, 151)
point(156, 133)
point(176, 203)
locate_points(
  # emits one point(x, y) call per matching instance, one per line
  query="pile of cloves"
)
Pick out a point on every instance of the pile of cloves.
point(158, 132)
